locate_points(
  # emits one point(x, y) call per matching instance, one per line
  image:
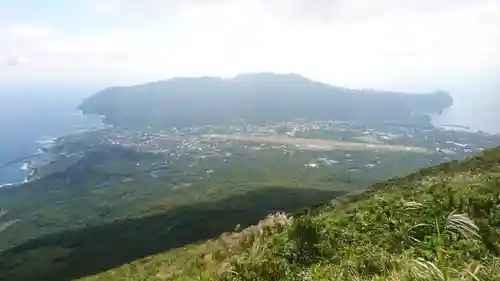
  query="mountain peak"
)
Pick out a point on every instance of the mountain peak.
point(276, 97)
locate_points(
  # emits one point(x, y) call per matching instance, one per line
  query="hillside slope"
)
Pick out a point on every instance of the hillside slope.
point(257, 98)
point(442, 223)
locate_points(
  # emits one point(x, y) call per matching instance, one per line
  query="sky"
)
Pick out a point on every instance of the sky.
point(392, 44)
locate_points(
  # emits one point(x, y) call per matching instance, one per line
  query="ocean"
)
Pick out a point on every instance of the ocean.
point(479, 118)
point(31, 118)
point(476, 107)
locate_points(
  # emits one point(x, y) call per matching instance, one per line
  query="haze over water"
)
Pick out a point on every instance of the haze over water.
point(476, 105)
point(478, 116)
point(28, 116)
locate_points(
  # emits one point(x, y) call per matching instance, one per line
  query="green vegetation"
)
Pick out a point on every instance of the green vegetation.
point(442, 223)
point(107, 218)
point(276, 97)
point(111, 183)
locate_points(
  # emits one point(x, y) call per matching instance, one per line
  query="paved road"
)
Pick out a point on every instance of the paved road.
point(316, 144)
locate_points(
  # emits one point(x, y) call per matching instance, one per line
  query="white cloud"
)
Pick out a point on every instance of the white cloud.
point(29, 32)
point(391, 45)
point(153, 7)
point(311, 10)
point(359, 10)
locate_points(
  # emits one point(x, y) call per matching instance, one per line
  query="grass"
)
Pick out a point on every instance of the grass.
point(459, 224)
point(77, 198)
point(442, 223)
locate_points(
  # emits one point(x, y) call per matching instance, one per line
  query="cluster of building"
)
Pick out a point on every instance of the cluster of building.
point(175, 143)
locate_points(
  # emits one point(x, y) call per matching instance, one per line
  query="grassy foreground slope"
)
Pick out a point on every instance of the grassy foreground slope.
point(442, 223)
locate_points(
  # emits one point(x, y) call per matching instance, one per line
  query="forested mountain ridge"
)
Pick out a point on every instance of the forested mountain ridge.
point(441, 223)
point(256, 97)
point(156, 231)
point(115, 197)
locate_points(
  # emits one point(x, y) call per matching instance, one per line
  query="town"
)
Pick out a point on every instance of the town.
point(329, 143)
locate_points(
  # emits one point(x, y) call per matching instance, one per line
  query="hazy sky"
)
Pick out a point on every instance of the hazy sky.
point(406, 44)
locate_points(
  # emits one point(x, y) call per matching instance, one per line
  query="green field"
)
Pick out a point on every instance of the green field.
point(109, 218)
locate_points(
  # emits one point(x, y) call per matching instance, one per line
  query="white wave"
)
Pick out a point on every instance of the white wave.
point(10, 184)
point(25, 166)
point(47, 141)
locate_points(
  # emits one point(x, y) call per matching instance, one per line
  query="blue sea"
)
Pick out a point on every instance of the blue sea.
point(32, 117)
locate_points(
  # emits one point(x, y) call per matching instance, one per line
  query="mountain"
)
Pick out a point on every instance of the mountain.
point(257, 98)
point(441, 223)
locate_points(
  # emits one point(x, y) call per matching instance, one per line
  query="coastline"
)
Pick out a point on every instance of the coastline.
point(476, 117)
point(44, 154)
point(13, 184)
point(79, 123)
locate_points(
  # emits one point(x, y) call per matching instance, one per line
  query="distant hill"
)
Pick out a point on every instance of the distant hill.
point(256, 98)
